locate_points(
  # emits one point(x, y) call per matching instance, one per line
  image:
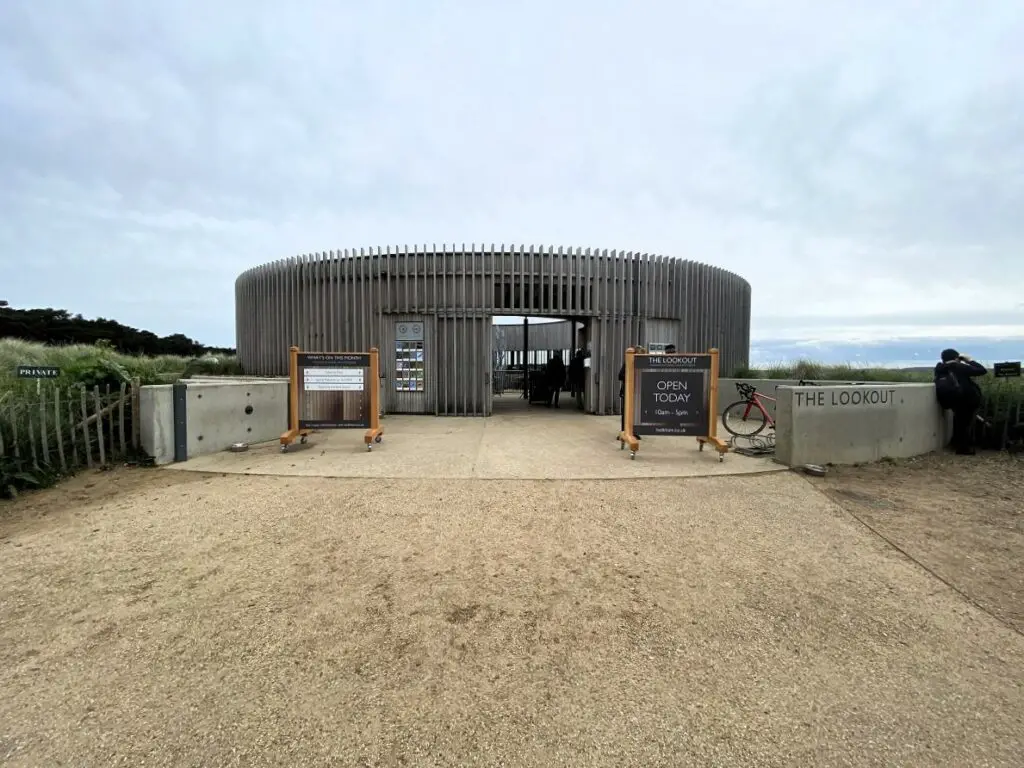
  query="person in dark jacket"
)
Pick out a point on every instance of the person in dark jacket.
point(577, 377)
point(555, 375)
point(957, 390)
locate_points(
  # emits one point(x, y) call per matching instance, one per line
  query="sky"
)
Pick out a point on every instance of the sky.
point(861, 164)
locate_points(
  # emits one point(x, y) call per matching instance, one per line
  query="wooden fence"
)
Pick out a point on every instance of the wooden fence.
point(69, 428)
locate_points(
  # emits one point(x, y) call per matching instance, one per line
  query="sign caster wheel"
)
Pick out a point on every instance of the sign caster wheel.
point(378, 438)
point(622, 445)
point(302, 440)
point(721, 457)
point(284, 449)
point(369, 447)
point(632, 455)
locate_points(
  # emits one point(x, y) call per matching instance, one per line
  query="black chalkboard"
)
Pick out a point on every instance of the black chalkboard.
point(1006, 370)
point(672, 395)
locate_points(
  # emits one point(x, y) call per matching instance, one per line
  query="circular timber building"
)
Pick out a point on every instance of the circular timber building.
point(430, 312)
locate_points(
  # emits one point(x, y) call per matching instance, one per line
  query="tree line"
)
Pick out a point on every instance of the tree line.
point(58, 326)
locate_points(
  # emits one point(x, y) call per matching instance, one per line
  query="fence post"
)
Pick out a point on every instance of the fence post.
point(85, 430)
point(120, 419)
point(32, 440)
point(71, 428)
point(99, 422)
point(60, 431)
point(45, 438)
point(14, 432)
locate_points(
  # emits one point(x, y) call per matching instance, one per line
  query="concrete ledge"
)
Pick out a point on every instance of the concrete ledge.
point(857, 423)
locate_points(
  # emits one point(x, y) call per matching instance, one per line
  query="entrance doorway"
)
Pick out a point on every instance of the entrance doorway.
point(521, 350)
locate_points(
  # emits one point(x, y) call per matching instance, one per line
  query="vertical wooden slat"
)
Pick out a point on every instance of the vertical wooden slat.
point(14, 432)
point(44, 437)
point(99, 423)
point(86, 441)
point(32, 440)
point(59, 429)
point(71, 428)
point(120, 418)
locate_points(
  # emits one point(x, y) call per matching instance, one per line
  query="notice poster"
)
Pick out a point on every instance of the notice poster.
point(672, 395)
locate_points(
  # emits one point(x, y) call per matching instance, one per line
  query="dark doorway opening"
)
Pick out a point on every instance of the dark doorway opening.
point(525, 352)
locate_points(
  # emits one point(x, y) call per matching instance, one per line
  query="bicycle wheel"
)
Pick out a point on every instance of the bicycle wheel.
point(736, 423)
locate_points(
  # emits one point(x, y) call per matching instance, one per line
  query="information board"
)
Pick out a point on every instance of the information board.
point(673, 394)
point(334, 392)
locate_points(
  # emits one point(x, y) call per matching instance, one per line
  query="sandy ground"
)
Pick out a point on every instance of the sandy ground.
point(170, 618)
point(962, 518)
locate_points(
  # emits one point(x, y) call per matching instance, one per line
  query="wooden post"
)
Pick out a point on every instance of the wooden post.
point(293, 398)
point(628, 408)
point(14, 432)
point(99, 422)
point(32, 440)
point(136, 413)
point(713, 405)
point(374, 433)
point(71, 428)
point(719, 445)
point(85, 430)
point(60, 431)
point(120, 419)
point(43, 432)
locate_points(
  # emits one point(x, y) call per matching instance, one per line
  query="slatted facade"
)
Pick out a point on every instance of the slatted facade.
point(350, 300)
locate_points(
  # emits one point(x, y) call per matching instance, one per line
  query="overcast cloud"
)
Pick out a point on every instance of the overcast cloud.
point(862, 164)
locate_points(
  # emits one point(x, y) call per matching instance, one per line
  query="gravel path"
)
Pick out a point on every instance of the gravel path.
point(180, 619)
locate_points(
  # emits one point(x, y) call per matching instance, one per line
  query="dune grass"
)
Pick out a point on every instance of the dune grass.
point(1003, 398)
point(91, 364)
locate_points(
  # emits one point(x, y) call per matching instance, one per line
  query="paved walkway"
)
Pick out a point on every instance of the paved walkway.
point(515, 443)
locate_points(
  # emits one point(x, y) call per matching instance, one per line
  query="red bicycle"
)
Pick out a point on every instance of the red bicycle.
point(749, 416)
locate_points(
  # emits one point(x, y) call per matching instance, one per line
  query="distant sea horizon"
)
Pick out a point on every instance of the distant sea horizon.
point(891, 353)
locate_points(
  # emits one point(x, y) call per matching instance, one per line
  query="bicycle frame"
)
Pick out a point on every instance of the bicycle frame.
point(754, 401)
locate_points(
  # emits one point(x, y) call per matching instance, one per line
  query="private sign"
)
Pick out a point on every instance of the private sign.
point(38, 372)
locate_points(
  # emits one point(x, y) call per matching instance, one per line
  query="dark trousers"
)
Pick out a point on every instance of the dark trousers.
point(555, 391)
point(964, 418)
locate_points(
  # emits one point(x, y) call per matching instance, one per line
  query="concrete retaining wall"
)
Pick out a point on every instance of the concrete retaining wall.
point(859, 423)
point(192, 418)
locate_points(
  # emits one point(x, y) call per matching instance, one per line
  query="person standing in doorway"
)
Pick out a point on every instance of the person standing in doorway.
point(577, 377)
point(957, 391)
point(555, 377)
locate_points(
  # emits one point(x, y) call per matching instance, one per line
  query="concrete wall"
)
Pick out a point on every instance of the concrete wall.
point(210, 415)
point(860, 423)
point(156, 429)
point(216, 414)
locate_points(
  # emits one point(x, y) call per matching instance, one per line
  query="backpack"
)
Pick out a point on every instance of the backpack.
point(947, 389)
